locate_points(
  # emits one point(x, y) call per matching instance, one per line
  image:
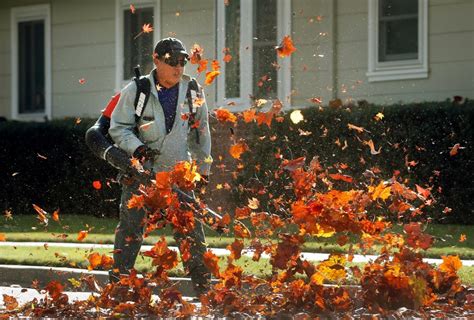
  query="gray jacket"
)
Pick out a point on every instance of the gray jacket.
point(178, 145)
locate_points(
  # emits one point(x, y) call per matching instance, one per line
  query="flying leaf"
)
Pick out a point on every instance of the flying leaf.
point(370, 143)
point(82, 81)
point(210, 76)
point(3, 238)
point(82, 235)
point(196, 54)
point(212, 263)
point(224, 115)
point(356, 128)
point(379, 116)
point(380, 191)
point(292, 165)
point(55, 215)
point(454, 150)
point(237, 149)
point(249, 115)
point(42, 215)
point(10, 302)
point(462, 237)
point(215, 65)
point(55, 289)
point(342, 177)
point(97, 184)
point(132, 8)
point(202, 65)
point(296, 116)
point(286, 47)
point(451, 264)
point(94, 260)
point(147, 28)
point(236, 249)
point(425, 193)
point(254, 203)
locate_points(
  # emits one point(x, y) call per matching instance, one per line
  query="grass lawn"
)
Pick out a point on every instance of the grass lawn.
point(77, 258)
point(27, 228)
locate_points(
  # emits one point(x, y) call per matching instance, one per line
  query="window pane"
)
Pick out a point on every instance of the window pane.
point(398, 40)
point(264, 54)
point(138, 49)
point(390, 8)
point(31, 78)
point(232, 42)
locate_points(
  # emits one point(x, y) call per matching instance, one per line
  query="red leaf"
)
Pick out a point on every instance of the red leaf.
point(286, 47)
point(342, 177)
point(82, 235)
point(212, 263)
point(236, 249)
point(97, 184)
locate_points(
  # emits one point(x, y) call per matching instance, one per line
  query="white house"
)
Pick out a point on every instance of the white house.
point(65, 58)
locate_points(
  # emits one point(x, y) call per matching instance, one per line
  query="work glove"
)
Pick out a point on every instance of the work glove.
point(144, 153)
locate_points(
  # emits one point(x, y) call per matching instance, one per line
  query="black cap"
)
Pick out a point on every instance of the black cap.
point(172, 46)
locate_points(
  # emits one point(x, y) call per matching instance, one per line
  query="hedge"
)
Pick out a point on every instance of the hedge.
point(49, 164)
point(415, 139)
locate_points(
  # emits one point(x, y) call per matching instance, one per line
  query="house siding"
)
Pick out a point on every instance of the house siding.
point(450, 55)
point(330, 61)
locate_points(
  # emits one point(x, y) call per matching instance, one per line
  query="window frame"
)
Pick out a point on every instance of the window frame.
point(24, 14)
point(246, 55)
point(401, 69)
point(120, 7)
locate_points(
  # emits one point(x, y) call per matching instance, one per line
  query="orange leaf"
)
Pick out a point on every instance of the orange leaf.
point(196, 54)
point(185, 249)
point(212, 263)
point(450, 264)
point(202, 65)
point(94, 260)
point(132, 8)
point(342, 177)
point(462, 238)
point(249, 115)
point(236, 249)
point(82, 235)
point(42, 215)
point(241, 232)
point(210, 76)
point(3, 238)
point(227, 58)
point(97, 184)
point(10, 302)
point(147, 28)
point(286, 47)
point(215, 65)
point(224, 115)
point(370, 143)
point(55, 215)
point(292, 165)
point(425, 193)
point(356, 128)
point(454, 150)
point(236, 150)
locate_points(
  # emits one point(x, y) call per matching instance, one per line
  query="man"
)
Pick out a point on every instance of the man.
point(161, 138)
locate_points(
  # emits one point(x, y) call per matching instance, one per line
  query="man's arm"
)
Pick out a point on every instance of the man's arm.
point(202, 152)
point(122, 122)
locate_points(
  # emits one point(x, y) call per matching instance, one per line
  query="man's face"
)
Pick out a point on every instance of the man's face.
point(169, 69)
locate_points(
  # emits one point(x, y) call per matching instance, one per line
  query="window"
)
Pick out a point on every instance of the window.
point(398, 35)
point(31, 63)
point(133, 47)
point(249, 31)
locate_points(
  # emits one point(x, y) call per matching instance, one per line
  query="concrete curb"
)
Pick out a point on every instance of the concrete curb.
point(23, 276)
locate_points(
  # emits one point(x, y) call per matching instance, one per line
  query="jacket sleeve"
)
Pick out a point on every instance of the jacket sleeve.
point(201, 152)
point(122, 122)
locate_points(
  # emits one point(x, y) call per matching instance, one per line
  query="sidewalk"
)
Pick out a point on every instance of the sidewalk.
point(311, 256)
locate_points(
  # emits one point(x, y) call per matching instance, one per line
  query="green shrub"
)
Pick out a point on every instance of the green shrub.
point(422, 132)
point(49, 164)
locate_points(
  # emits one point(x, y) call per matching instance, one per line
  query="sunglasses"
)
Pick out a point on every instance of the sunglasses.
point(173, 61)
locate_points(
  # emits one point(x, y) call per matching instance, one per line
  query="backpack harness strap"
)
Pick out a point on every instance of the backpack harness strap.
point(143, 95)
point(192, 94)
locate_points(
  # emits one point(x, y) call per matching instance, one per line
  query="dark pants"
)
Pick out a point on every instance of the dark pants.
point(129, 238)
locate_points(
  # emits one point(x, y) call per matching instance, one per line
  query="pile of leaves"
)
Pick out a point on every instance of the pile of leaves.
point(317, 203)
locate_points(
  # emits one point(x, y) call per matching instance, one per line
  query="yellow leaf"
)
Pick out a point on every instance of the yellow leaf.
point(296, 116)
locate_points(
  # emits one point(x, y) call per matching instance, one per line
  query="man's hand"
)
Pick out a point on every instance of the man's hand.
point(144, 153)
